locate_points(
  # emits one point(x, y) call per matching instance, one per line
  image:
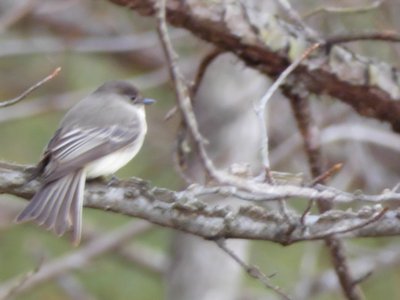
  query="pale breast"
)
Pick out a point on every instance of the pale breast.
point(112, 162)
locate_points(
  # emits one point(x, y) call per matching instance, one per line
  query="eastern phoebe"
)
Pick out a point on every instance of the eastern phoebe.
point(97, 136)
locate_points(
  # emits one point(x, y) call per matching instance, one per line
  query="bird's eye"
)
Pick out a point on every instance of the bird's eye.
point(133, 98)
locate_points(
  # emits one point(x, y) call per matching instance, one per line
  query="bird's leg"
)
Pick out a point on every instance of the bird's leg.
point(113, 180)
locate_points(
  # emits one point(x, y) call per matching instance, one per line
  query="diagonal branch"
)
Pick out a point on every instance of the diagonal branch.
point(369, 86)
point(76, 259)
point(309, 132)
point(30, 89)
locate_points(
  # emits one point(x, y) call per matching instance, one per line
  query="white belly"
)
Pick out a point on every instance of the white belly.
point(111, 163)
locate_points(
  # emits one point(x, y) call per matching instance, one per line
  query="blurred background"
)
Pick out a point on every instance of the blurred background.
point(95, 41)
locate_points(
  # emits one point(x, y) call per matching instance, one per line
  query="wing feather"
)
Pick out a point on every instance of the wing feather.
point(71, 150)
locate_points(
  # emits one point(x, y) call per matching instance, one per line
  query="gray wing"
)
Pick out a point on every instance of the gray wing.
point(70, 150)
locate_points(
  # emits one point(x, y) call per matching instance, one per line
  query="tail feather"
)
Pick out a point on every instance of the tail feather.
point(76, 212)
point(66, 216)
point(58, 205)
point(37, 204)
point(49, 215)
point(55, 195)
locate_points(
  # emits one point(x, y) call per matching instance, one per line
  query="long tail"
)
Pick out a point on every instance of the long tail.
point(58, 205)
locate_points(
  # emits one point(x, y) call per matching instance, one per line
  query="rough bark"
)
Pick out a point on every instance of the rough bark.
point(268, 43)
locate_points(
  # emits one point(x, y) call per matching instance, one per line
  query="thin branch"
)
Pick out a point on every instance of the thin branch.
point(181, 91)
point(95, 44)
point(379, 260)
point(31, 89)
point(363, 224)
point(16, 14)
point(320, 180)
point(201, 70)
point(327, 174)
point(77, 259)
point(182, 142)
point(203, 66)
point(16, 285)
point(344, 10)
point(261, 109)
point(252, 271)
point(336, 78)
point(385, 36)
point(136, 254)
point(73, 287)
point(311, 138)
point(261, 112)
point(293, 14)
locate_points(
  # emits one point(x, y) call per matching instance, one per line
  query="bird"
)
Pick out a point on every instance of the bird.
point(97, 136)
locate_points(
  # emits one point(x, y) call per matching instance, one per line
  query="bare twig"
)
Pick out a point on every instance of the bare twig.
point(325, 175)
point(344, 10)
point(261, 112)
point(95, 44)
point(320, 179)
point(77, 259)
point(385, 36)
point(252, 271)
point(182, 142)
point(136, 254)
point(204, 64)
point(272, 58)
point(58, 102)
point(373, 219)
point(201, 70)
point(16, 14)
point(73, 288)
point(31, 89)
point(311, 138)
point(292, 13)
point(14, 288)
point(267, 96)
point(379, 260)
point(182, 92)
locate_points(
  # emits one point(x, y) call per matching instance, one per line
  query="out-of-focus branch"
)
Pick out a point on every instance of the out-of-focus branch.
point(16, 14)
point(182, 140)
point(296, 18)
point(372, 263)
point(64, 101)
point(261, 110)
point(181, 90)
point(137, 254)
point(30, 89)
point(77, 259)
point(73, 287)
point(150, 260)
point(15, 286)
point(203, 66)
point(109, 44)
point(344, 10)
point(311, 139)
point(253, 271)
point(370, 87)
point(384, 36)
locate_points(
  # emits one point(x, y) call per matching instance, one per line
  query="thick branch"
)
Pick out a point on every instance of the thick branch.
point(370, 87)
point(183, 211)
